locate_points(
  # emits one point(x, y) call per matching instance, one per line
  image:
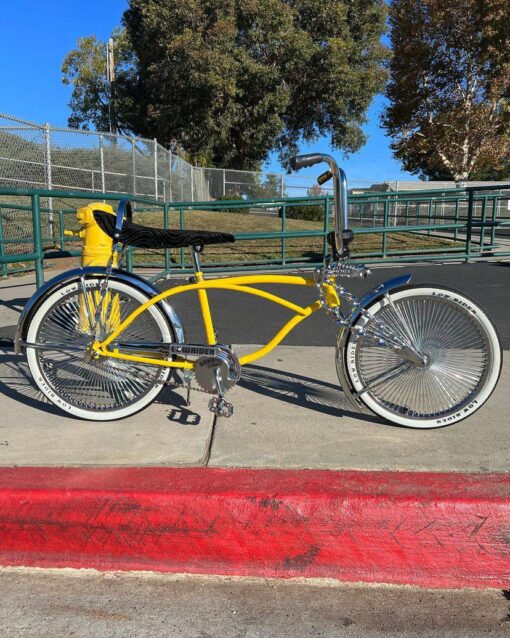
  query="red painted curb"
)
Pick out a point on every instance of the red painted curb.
point(429, 529)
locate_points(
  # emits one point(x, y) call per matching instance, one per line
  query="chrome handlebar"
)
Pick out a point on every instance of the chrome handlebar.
point(340, 203)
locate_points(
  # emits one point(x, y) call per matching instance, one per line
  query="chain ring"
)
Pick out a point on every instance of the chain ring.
point(229, 371)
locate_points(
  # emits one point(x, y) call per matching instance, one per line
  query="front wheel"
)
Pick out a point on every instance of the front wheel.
point(104, 389)
point(423, 357)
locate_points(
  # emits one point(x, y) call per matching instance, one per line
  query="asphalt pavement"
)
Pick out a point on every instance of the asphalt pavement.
point(86, 604)
point(242, 319)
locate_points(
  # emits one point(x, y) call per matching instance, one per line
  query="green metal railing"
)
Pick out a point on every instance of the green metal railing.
point(395, 226)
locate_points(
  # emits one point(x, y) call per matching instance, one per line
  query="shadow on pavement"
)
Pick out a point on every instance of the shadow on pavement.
point(313, 394)
point(16, 383)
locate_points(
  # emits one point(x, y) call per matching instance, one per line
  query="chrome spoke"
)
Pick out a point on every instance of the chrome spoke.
point(452, 339)
point(94, 384)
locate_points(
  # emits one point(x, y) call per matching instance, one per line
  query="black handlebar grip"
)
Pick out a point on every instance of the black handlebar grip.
point(322, 179)
point(302, 161)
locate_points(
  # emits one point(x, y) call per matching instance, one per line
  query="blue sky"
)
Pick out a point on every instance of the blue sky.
point(37, 34)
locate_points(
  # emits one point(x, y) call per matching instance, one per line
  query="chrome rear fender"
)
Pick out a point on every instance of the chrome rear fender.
point(344, 332)
point(72, 275)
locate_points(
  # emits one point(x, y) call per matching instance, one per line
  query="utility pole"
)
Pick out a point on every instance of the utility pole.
point(110, 76)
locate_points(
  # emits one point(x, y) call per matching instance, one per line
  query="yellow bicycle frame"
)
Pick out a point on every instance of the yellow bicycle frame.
point(237, 284)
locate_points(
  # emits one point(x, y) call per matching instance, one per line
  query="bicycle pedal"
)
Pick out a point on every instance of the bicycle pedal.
point(220, 407)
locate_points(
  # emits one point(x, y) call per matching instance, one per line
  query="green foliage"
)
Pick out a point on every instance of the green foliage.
point(311, 213)
point(85, 69)
point(493, 171)
point(232, 80)
point(232, 198)
point(449, 89)
point(271, 187)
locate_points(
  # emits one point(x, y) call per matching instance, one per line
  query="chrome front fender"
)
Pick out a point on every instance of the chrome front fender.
point(345, 330)
point(63, 279)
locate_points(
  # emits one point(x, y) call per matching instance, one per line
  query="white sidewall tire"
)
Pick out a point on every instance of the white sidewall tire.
point(478, 400)
point(81, 413)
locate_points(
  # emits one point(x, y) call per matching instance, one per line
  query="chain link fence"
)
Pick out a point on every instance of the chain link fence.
point(87, 162)
point(43, 156)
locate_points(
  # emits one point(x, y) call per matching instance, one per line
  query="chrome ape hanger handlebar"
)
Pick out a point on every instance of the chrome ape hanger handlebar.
point(341, 237)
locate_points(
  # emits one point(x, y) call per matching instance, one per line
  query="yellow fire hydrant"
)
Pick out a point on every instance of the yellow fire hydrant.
point(97, 246)
point(97, 250)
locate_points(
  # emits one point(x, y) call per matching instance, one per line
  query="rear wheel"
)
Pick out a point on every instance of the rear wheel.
point(459, 349)
point(97, 389)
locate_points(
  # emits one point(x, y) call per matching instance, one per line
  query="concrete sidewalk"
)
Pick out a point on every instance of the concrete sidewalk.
point(289, 413)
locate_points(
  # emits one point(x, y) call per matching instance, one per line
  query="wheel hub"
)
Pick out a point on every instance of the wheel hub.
point(426, 361)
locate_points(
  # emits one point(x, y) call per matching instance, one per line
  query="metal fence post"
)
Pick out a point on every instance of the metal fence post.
point(2, 250)
point(133, 163)
point(224, 189)
point(165, 226)
point(282, 186)
point(170, 173)
point(385, 224)
point(155, 169)
point(325, 248)
point(483, 220)
point(284, 229)
point(495, 205)
point(36, 224)
point(101, 158)
point(49, 181)
point(192, 183)
point(469, 228)
point(181, 227)
point(456, 231)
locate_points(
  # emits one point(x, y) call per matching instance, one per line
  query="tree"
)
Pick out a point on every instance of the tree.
point(449, 86)
point(316, 190)
point(231, 80)
point(85, 69)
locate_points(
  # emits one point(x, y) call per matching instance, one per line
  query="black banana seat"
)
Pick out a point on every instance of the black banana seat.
point(148, 237)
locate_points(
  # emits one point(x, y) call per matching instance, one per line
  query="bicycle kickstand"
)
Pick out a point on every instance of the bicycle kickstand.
point(218, 405)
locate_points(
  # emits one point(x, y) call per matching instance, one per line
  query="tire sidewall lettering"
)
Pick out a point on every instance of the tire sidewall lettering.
point(351, 352)
point(59, 401)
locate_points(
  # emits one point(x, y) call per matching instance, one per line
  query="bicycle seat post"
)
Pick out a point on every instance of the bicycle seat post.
point(196, 259)
point(202, 295)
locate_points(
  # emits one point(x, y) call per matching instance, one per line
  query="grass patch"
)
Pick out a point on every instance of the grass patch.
point(17, 227)
point(299, 248)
